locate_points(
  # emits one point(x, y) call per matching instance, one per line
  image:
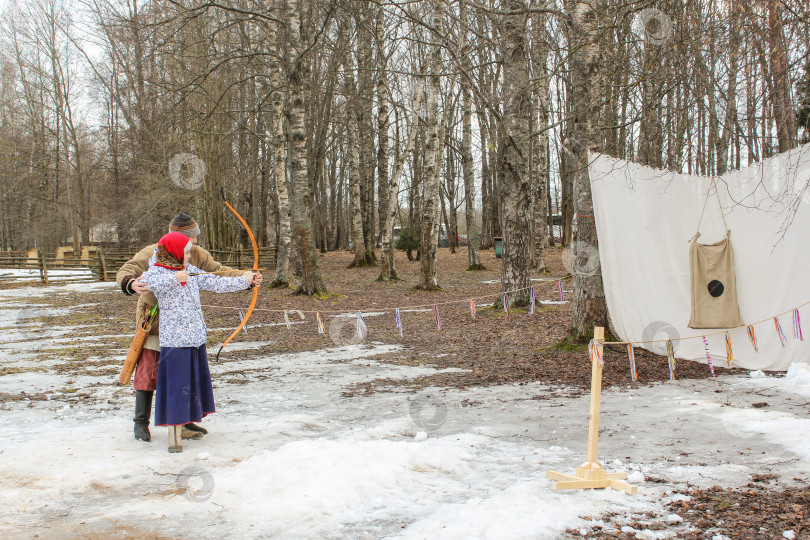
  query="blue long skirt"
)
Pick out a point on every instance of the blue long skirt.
point(184, 392)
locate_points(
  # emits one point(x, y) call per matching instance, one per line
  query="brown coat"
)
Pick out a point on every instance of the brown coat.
point(139, 264)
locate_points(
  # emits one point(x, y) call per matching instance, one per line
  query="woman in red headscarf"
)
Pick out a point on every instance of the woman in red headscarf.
point(184, 391)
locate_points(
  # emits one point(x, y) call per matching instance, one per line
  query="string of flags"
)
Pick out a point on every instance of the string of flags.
point(287, 316)
point(362, 329)
point(632, 355)
point(361, 326)
point(797, 326)
point(242, 318)
point(392, 308)
point(729, 352)
point(595, 352)
point(399, 322)
point(779, 332)
point(709, 359)
point(752, 336)
point(671, 359)
point(594, 346)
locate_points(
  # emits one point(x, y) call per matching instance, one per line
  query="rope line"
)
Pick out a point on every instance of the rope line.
point(374, 308)
point(699, 336)
point(498, 294)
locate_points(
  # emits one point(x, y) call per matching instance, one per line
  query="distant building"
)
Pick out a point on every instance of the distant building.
point(104, 233)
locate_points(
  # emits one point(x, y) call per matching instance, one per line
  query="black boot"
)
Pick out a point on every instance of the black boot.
point(143, 411)
point(191, 426)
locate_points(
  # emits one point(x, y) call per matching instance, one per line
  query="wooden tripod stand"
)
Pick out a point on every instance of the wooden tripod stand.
point(591, 475)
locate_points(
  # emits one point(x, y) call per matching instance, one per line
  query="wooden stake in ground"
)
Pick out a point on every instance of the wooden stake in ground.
point(591, 475)
point(43, 268)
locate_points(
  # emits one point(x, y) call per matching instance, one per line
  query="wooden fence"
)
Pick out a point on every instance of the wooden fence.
point(99, 264)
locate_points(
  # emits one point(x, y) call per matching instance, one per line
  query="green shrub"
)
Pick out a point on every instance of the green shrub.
point(406, 239)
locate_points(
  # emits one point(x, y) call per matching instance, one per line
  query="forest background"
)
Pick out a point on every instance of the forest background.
point(328, 124)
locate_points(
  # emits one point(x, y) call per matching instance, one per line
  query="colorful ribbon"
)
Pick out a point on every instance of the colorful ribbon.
point(559, 288)
point(399, 323)
point(729, 352)
point(779, 332)
point(632, 355)
point(709, 359)
point(671, 359)
point(506, 303)
point(752, 337)
point(472, 308)
point(321, 329)
point(436, 317)
point(242, 318)
point(797, 325)
point(594, 352)
point(532, 300)
point(361, 326)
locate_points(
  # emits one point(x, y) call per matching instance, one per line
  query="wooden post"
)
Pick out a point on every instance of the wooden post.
point(239, 257)
point(103, 263)
point(43, 268)
point(596, 397)
point(591, 475)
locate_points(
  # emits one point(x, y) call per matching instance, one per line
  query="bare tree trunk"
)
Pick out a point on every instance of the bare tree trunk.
point(387, 271)
point(567, 165)
point(449, 202)
point(515, 183)
point(416, 188)
point(355, 201)
point(311, 282)
point(353, 165)
point(731, 93)
point(567, 173)
point(590, 309)
point(383, 121)
point(651, 130)
point(365, 108)
point(783, 112)
point(486, 173)
point(473, 233)
point(388, 194)
point(279, 154)
point(540, 210)
point(430, 200)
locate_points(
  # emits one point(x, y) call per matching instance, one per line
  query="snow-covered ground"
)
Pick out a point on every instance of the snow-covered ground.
point(290, 456)
point(29, 274)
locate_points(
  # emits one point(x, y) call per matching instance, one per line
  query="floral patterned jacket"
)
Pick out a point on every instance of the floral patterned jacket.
point(181, 317)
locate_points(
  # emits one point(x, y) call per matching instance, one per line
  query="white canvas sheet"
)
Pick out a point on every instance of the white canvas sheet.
point(645, 218)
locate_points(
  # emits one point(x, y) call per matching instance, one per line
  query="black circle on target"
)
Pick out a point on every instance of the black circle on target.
point(716, 288)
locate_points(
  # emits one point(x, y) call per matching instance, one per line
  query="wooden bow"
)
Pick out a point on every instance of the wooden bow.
point(255, 269)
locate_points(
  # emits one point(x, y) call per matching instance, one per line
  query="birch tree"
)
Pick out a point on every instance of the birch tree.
point(429, 237)
point(301, 204)
point(515, 134)
point(585, 40)
point(473, 232)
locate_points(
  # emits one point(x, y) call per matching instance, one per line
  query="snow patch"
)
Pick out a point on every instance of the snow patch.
point(797, 378)
point(636, 477)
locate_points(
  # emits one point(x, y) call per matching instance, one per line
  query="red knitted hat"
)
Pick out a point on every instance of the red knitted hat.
point(174, 244)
